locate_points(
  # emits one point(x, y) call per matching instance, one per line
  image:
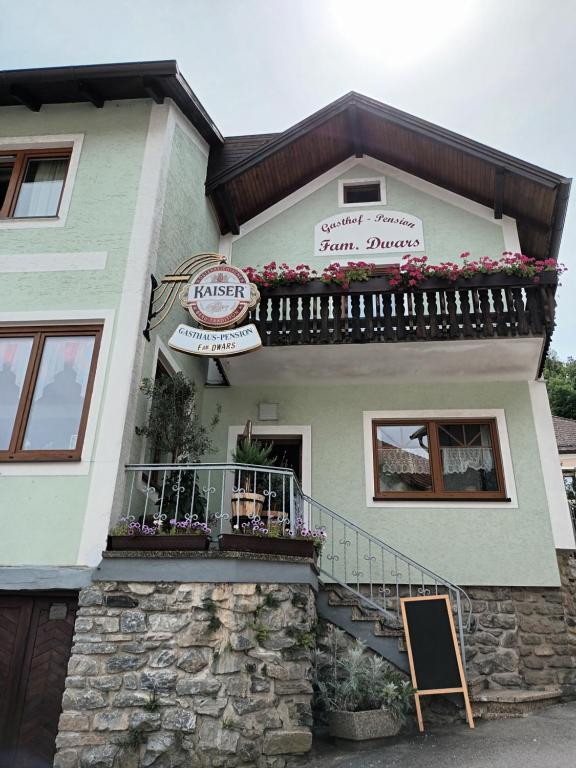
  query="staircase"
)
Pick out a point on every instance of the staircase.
point(351, 614)
point(363, 580)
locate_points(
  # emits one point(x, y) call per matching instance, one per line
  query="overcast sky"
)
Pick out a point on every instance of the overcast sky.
point(501, 72)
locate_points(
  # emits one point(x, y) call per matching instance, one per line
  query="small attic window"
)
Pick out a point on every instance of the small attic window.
point(362, 192)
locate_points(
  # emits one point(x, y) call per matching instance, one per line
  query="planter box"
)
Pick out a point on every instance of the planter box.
point(382, 285)
point(178, 543)
point(360, 726)
point(234, 542)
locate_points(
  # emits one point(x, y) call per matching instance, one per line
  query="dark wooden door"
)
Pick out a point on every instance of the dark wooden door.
point(35, 641)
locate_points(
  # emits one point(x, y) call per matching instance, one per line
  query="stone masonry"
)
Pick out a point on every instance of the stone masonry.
point(195, 675)
point(525, 637)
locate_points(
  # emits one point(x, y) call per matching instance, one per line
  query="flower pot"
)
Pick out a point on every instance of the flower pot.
point(183, 542)
point(247, 505)
point(239, 542)
point(359, 726)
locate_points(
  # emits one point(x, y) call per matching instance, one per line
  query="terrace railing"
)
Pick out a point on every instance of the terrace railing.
point(489, 306)
point(162, 495)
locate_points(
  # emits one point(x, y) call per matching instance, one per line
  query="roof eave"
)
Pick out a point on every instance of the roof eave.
point(166, 73)
point(499, 159)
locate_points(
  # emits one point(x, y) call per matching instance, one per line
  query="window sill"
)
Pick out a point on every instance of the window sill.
point(23, 459)
point(456, 499)
point(32, 222)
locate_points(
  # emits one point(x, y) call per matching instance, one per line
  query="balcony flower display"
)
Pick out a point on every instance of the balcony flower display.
point(157, 535)
point(416, 269)
point(412, 271)
point(273, 274)
point(274, 538)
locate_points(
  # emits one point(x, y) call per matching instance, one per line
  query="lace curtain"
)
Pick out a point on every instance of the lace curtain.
point(459, 460)
point(455, 460)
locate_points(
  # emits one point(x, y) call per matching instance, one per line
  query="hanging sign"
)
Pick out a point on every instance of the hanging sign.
point(200, 341)
point(369, 233)
point(218, 299)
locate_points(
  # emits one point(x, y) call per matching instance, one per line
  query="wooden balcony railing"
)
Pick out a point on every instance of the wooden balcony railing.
point(487, 306)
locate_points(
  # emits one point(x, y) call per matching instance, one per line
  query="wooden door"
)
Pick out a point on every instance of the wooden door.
point(35, 641)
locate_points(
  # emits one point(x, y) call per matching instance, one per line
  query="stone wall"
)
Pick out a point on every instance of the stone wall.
point(525, 637)
point(195, 675)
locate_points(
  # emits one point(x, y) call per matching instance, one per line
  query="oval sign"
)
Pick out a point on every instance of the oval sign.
point(220, 296)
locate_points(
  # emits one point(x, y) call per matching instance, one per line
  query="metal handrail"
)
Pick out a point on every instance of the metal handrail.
point(190, 499)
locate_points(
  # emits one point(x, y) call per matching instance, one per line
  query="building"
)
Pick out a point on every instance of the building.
point(565, 431)
point(409, 419)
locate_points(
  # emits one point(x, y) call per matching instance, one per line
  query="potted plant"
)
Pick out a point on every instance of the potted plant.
point(247, 502)
point(176, 436)
point(361, 694)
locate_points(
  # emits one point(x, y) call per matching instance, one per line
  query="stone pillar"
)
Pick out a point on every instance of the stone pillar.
point(190, 674)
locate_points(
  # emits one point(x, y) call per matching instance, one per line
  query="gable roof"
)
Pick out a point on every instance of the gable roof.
point(244, 183)
point(565, 430)
point(248, 174)
point(106, 82)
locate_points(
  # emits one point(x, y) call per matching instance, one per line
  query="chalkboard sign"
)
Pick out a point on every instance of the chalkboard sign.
point(433, 653)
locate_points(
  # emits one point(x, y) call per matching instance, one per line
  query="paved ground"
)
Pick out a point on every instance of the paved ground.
point(543, 740)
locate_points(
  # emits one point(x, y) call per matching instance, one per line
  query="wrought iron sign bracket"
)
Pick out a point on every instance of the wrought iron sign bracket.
point(164, 294)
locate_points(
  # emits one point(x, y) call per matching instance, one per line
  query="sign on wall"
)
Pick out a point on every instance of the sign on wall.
point(218, 299)
point(370, 233)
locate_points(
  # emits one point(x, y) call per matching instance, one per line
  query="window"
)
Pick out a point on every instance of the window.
point(358, 192)
point(46, 379)
point(437, 459)
point(32, 182)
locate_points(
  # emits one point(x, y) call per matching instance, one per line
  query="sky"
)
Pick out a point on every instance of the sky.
point(501, 72)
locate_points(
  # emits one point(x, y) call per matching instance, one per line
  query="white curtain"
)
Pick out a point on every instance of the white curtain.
point(40, 191)
point(59, 393)
point(459, 460)
point(14, 356)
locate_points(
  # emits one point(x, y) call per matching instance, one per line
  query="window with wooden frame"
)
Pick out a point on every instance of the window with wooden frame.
point(46, 381)
point(441, 459)
point(32, 182)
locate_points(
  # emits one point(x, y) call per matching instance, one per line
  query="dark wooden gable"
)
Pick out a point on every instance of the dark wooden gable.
point(255, 172)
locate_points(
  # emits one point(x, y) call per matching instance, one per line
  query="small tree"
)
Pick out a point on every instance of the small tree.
point(174, 426)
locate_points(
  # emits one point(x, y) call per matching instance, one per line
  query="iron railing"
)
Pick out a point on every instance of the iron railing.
point(228, 497)
point(220, 495)
point(498, 306)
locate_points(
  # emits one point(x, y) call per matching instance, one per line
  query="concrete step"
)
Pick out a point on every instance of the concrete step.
point(384, 645)
point(504, 703)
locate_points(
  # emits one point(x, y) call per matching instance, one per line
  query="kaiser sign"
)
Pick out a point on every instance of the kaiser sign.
point(369, 233)
point(219, 298)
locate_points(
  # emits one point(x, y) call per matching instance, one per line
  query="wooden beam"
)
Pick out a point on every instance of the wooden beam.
point(25, 97)
point(355, 130)
point(90, 92)
point(227, 209)
point(499, 181)
point(154, 89)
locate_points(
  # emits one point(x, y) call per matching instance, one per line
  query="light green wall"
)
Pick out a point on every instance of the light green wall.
point(42, 517)
point(101, 210)
point(289, 237)
point(466, 546)
point(188, 227)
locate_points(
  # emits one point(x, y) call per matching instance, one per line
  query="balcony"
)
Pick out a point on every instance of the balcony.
point(491, 306)
point(500, 323)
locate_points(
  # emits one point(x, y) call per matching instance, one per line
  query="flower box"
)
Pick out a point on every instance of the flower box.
point(272, 545)
point(178, 543)
point(360, 726)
